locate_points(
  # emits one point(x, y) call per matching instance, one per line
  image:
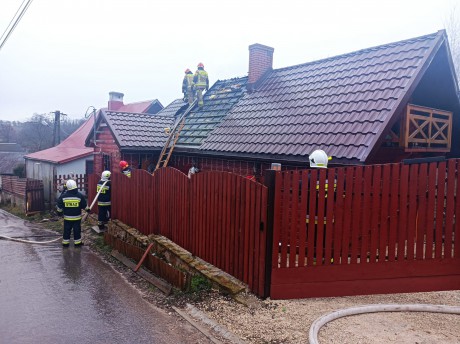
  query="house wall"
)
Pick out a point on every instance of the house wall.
point(73, 167)
point(105, 144)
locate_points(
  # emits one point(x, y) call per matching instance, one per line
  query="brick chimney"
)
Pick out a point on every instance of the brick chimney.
point(115, 101)
point(260, 62)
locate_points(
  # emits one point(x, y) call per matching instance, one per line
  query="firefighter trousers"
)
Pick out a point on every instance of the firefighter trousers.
point(68, 226)
point(103, 216)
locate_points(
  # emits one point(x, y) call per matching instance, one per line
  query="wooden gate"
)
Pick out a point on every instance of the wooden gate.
point(366, 230)
point(26, 191)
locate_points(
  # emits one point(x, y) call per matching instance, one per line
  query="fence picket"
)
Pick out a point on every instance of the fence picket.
point(370, 203)
point(338, 217)
point(293, 229)
point(422, 212)
point(394, 212)
point(450, 206)
point(441, 188)
point(313, 177)
point(357, 210)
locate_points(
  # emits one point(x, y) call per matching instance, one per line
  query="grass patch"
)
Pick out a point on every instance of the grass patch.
point(199, 283)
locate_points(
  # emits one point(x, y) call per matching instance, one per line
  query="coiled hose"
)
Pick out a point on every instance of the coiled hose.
point(318, 323)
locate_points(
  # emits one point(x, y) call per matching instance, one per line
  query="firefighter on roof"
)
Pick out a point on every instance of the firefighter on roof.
point(104, 200)
point(201, 81)
point(187, 86)
point(70, 205)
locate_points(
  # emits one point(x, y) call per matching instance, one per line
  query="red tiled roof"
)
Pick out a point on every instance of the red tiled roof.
point(340, 104)
point(70, 149)
point(139, 107)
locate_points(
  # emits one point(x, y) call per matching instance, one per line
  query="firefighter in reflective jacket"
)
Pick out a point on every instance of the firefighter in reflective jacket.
point(187, 86)
point(70, 205)
point(201, 82)
point(104, 200)
point(125, 169)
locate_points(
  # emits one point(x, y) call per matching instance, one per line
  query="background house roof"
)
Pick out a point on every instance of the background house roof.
point(340, 104)
point(137, 130)
point(10, 147)
point(148, 106)
point(9, 160)
point(70, 149)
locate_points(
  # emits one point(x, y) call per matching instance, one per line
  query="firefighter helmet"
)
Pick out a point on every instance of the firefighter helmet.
point(318, 159)
point(105, 175)
point(187, 71)
point(71, 184)
point(123, 164)
point(200, 65)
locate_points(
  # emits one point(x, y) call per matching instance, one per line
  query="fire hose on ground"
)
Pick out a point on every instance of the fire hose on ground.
point(54, 240)
point(318, 323)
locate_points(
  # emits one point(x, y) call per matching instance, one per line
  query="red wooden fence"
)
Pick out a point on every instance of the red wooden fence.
point(217, 216)
point(366, 229)
point(29, 190)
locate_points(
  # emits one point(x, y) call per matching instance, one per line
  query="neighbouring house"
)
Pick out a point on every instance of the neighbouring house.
point(148, 106)
point(70, 157)
point(377, 105)
point(11, 156)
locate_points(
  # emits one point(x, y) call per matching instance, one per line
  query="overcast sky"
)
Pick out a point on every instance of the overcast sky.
point(68, 55)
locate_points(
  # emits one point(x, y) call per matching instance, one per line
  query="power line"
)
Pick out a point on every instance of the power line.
point(12, 19)
point(9, 30)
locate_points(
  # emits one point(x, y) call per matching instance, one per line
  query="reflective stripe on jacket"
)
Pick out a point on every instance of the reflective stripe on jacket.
point(104, 197)
point(201, 78)
point(187, 84)
point(71, 203)
point(127, 172)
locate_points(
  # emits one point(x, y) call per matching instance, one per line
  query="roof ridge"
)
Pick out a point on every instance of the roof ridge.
point(361, 51)
point(137, 114)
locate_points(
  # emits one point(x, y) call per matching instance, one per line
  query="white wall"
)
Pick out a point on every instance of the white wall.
point(72, 167)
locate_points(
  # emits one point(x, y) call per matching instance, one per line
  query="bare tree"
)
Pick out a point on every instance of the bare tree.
point(36, 134)
point(7, 132)
point(452, 25)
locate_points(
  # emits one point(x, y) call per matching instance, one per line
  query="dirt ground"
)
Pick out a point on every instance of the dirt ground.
point(289, 321)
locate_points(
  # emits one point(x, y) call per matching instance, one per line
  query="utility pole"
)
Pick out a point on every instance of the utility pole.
point(57, 128)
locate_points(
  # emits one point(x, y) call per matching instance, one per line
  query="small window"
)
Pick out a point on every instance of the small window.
point(106, 162)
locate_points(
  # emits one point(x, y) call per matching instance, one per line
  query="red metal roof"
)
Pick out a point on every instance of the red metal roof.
point(70, 149)
point(139, 107)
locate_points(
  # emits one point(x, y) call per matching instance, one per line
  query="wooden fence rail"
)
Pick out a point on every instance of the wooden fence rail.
point(29, 191)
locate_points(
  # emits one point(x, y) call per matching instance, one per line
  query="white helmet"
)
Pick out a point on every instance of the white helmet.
point(71, 184)
point(105, 175)
point(318, 159)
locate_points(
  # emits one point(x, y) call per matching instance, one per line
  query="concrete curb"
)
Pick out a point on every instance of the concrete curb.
point(196, 317)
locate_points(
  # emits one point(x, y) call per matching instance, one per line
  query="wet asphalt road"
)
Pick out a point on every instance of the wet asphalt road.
point(49, 294)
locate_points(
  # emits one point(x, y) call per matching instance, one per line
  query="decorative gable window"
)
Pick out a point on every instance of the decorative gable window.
point(426, 130)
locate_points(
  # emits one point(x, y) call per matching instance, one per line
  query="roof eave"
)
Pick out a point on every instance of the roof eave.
point(404, 98)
